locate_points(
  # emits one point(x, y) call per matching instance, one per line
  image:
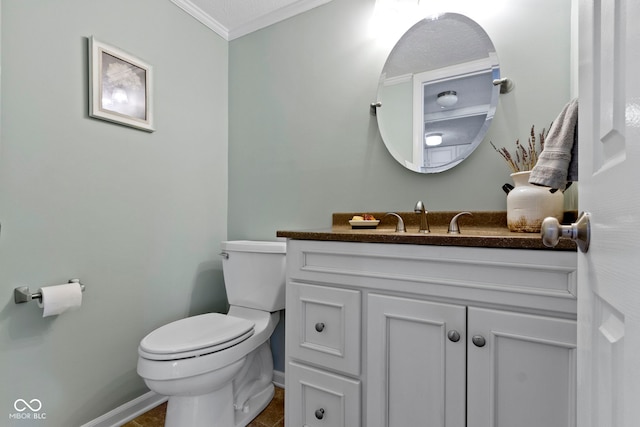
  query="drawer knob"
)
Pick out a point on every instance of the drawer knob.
point(453, 335)
point(319, 327)
point(319, 413)
point(478, 340)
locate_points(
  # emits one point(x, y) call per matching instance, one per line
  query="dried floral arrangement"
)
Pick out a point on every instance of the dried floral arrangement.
point(525, 156)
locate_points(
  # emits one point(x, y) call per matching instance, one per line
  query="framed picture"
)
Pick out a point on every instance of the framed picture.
point(120, 87)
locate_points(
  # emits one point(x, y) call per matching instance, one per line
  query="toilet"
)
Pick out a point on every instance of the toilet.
point(217, 368)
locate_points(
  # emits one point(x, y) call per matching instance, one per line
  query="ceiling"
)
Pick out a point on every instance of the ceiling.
point(235, 18)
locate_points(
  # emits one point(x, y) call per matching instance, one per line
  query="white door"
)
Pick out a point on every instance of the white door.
point(609, 273)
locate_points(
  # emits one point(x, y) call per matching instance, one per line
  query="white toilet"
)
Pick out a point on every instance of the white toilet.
point(217, 369)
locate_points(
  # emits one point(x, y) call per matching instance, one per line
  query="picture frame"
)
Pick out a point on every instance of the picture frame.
point(120, 87)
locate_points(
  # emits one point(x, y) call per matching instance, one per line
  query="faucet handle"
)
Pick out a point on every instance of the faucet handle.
point(424, 222)
point(400, 225)
point(453, 225)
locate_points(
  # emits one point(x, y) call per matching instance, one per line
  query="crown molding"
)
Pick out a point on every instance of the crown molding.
point(278, 15)
point(204, 18)
point(263, 21)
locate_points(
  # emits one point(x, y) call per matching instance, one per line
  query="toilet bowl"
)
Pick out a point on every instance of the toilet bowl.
point(217, 368)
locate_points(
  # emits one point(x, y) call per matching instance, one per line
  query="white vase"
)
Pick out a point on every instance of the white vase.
point(528, 204)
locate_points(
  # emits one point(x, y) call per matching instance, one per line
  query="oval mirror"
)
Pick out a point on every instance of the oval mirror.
point(436, 93)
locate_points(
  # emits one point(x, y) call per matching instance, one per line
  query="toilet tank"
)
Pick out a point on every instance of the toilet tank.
point(254, 273)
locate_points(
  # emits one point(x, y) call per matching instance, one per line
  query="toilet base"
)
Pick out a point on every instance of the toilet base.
point(208, 410)
point(215, 409)
point(235, 404)
point(256, 404)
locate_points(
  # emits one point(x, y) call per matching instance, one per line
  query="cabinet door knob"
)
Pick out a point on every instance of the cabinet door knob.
point(453, 335)
point(319, 413)
point(319, 327)
point(478, 340)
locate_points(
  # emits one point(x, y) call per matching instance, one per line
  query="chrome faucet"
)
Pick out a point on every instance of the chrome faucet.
point(424, 224)
point(400, 228)
point(454, 228)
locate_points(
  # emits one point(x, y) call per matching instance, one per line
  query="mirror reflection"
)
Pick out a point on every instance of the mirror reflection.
point(437, 93)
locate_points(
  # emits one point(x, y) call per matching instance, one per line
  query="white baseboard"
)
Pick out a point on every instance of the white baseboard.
point(278, 379)
point(128, 411)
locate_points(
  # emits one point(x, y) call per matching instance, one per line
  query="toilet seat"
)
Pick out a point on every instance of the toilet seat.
point(195, 336)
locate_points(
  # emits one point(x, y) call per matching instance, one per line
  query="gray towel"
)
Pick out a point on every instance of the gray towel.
point(557, 165)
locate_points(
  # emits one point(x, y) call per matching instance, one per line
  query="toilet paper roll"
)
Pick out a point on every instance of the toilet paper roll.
point(60, 298)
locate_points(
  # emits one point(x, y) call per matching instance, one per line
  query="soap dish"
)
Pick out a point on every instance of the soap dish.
point(364, 224)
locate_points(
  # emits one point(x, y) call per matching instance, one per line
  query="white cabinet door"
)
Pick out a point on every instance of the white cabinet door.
point(525, 373)
point(415, 373)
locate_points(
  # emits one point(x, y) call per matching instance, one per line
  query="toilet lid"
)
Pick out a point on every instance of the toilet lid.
point(196, 335)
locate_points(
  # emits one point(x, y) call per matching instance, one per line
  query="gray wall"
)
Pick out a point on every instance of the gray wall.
point(137, 216)
point(302, 143)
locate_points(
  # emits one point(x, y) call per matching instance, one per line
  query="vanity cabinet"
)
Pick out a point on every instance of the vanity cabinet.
point(393, 335)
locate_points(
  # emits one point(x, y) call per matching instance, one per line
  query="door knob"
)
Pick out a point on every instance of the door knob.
point(478, 341)
point(453, 335)
point(319, 327)
point(580, 231)
point(319, 413)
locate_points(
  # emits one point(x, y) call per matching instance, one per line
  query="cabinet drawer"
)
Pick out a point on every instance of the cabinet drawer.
point(320, 399)
point(323, 326)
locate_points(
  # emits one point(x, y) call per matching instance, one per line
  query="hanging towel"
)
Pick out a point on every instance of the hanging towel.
point(557, 166)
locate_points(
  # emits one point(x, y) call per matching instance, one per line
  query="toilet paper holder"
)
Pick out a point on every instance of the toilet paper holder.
point(22, 294)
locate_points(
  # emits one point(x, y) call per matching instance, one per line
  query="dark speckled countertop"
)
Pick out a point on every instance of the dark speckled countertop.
point(486, 229)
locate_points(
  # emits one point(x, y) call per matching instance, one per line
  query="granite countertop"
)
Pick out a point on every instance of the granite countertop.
point(486, 229)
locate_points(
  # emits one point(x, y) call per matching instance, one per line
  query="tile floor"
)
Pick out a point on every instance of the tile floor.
point(272, 416)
